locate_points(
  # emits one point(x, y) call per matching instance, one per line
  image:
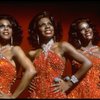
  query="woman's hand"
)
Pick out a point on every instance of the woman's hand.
point(4, 96)
point(61, 86)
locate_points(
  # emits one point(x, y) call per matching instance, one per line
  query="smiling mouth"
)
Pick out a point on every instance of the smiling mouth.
point(6, 33)
point(88, 35)
point(48, 31)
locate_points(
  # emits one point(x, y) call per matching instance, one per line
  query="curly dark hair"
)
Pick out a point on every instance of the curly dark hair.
point(76, 39)
point(33, 28)
point(16, 28)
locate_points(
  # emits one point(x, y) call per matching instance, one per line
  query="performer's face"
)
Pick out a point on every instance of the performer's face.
point(5, 29)
point(45, 27)
point(85, 30)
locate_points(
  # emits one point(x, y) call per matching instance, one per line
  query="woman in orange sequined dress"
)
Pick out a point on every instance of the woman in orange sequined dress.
point(7, 75)
point(84, 37)
point(10, 37)
point(49, 60)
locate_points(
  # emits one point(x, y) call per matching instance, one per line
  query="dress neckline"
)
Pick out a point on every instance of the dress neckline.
point(47, 47)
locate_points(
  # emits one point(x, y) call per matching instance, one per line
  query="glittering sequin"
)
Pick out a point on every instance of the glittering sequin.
point(47, 70)
point(7, 75)
point(89, 86)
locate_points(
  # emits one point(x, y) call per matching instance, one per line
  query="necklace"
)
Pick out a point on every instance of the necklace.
point(47, 47)
point(2, 50)
point(89, 51)
point(4, 47)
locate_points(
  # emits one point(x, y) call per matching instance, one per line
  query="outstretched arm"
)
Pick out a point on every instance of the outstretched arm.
point(29, 70)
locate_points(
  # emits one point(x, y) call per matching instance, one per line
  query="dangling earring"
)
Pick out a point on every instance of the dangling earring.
point(54, 38)
point(38, 39)
point(79, 42)
point(11, 40)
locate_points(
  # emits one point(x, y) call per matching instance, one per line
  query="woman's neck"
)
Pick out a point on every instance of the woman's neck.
point(2, 45)
point(89, 45)
point(45, 41)
point(47, 47)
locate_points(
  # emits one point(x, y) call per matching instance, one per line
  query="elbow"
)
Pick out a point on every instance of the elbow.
point(89, 64)
point(32, 73)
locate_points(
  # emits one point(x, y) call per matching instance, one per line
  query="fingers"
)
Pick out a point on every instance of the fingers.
point(56, 90)
point(32, 87)
point(55, 85)
point(1, 93)
point(59, 86)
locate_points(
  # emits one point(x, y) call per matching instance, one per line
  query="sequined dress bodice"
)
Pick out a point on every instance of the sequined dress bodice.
point(89, 87)
point(7, 75)
point(47, 69)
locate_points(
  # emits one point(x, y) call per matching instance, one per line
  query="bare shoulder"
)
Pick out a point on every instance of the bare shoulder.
point(33, 53)
point(98, 47)
point(66, 43)
point(66, 46)
point(16, 49)
point(95, 49)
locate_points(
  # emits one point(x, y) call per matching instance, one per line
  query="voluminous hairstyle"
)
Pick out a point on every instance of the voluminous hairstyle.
point(76, 39)
point(33, 29)
point(16, 28)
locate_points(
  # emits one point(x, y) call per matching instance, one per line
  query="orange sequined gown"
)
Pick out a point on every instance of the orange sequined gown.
point(47, 69)
point(89, 87)
point(7, 75)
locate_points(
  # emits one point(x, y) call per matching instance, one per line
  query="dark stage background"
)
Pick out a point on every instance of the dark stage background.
point(65, 11)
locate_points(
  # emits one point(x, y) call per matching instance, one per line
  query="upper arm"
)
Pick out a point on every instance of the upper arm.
point(22, 58)
point(73, 53)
